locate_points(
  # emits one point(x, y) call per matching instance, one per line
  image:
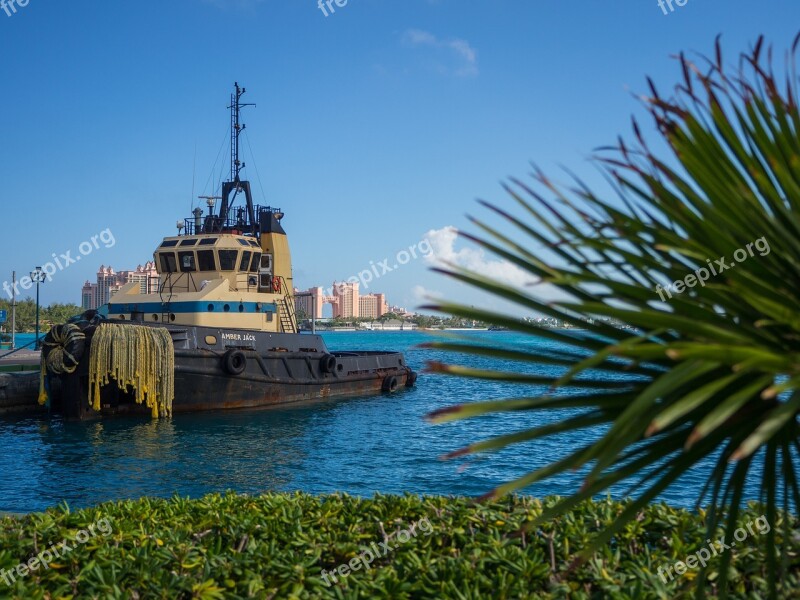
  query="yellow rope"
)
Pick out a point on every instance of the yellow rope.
point(55, 348)
point(136, 356)
point(62, 336)
point(42, 388)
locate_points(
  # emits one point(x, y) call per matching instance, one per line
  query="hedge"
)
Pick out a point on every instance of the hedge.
point(277, 546)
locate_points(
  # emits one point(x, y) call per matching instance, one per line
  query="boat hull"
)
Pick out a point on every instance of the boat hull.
point(270, 370)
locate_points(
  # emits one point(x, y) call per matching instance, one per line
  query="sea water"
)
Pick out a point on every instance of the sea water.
point(359, 446)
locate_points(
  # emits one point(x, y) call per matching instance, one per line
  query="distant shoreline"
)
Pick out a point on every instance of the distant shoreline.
point(354, 330)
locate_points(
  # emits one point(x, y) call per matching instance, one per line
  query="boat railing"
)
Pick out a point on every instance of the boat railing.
point(238, 222)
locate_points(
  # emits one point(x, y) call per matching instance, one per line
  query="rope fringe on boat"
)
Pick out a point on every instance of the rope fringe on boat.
point(136, 356)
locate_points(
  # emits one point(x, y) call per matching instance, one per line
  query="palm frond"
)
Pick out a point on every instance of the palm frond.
point(710, 372)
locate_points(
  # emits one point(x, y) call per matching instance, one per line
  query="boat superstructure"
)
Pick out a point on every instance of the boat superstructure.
point(230, 267)
point(224, 306)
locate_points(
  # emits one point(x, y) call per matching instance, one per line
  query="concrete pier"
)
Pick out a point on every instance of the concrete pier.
point(19, 393)
point(19, 384)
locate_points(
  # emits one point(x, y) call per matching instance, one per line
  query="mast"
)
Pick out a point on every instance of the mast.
point(235, 184)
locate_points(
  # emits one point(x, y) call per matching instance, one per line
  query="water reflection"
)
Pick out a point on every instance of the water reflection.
point(45, 463)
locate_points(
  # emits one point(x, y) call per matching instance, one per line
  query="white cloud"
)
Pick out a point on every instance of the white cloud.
point(421, 294)
point(417, 37)
point(456, 50)
point(443, 244)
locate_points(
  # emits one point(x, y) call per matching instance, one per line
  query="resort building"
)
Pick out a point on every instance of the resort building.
point(372, 306)
point(344, 298)
point(400, 311)
point(109, 282)
point(309, 303)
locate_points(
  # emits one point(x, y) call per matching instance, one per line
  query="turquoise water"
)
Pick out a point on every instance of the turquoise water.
point(24, 338)
point(359, 446)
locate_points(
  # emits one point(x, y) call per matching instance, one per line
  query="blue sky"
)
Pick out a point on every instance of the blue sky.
point(375, 125)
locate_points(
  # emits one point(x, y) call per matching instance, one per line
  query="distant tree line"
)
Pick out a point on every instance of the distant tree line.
point(422, 321)
point(26, 315)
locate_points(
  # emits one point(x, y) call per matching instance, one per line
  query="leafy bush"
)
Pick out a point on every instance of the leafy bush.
point(276, 545)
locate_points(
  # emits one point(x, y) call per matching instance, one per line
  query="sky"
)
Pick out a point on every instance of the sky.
point(377, 124)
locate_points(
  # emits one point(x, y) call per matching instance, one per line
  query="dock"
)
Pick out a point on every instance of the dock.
point(19, 383)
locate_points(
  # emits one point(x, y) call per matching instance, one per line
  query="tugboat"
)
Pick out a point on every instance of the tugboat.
point(221, 332)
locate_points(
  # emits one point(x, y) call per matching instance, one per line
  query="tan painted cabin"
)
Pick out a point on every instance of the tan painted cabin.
point(217, 280)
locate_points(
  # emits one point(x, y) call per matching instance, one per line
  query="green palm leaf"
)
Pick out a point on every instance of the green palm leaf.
point(709, 375)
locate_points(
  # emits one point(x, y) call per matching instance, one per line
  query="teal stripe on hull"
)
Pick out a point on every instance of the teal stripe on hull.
point(194, 306)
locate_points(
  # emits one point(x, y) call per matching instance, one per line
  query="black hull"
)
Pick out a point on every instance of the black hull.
point(300, 369)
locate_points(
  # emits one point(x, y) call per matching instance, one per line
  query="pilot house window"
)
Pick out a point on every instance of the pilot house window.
point(187, 261)
point(254, 264)
point(245, 264)
point(227, 260)
point(168, 264)
point(205, 260)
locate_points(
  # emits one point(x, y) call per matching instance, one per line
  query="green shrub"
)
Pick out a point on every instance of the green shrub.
point(276, 546)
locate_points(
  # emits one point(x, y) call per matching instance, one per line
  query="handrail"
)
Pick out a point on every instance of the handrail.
point(15, 350)
point(289, 304)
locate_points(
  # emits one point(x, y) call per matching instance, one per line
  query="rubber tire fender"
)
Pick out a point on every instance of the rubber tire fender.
point(234, 362)
point(328, 363)
point(411, 379)
point(389, 384)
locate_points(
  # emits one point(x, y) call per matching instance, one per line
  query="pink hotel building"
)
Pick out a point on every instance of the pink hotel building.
point(109, 282)
point(346, 302)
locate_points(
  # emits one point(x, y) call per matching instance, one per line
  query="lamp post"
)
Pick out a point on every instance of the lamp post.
point(13, 310)
point(38, 276)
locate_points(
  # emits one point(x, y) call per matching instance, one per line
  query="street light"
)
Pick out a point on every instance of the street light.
point(38, 276)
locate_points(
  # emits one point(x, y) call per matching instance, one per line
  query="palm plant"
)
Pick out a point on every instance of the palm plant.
point(707, 372)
